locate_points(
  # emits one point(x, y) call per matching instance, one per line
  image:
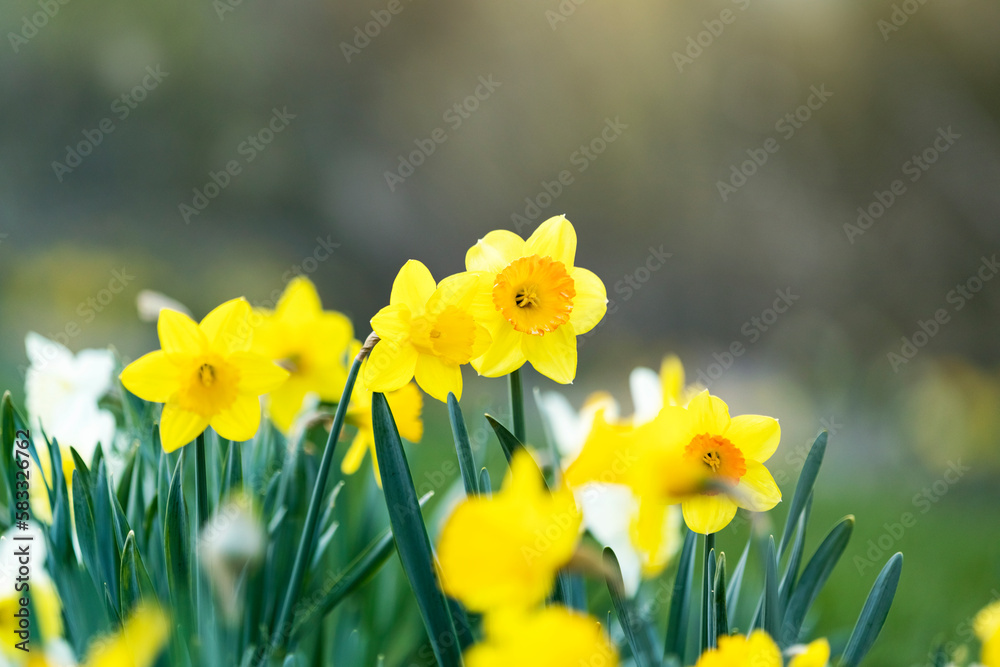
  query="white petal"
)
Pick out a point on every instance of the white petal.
point(647, 394)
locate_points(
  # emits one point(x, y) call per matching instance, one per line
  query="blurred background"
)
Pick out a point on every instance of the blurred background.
point(799, 198)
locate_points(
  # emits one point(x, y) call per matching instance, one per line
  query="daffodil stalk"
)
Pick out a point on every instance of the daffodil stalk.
point(517, 404)
point(281, 632)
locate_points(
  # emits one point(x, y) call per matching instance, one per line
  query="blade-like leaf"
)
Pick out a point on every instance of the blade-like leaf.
point(815, 574)
point(803, 488)
point(636, 628)
point(485, 486)
point(771, 617)
point(466, 461)
point(721, 615)
point(410, 535)
point(177, 544)
point(736, 581)
point(135, 583)
point(874, 613)
point(83, 510)
point(233, 478)
point(508, 442)
point(795, 558)
point(677, 622)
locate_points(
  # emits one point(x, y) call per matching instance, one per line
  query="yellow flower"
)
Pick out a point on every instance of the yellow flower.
point(533, 300)
point(757, 650)
point(506, 550)
point(205, 375)
point(987, 627)
point(405, 403)
point(308, 341)
point(550, 637)
point(46, 610)
point(427, 332)
point(816, 654)
point(138, 644)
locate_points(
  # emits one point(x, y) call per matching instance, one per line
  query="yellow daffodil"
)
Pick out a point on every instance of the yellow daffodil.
point(310, 343)
point(757, 650)
point(816, 654)
point(427, 331)
point(138, 644)
point(406, 404)
point(987, 627)
point(550, 637)
point(533, 300)
point(651, 391)
point(205, 375)
point(506, 550)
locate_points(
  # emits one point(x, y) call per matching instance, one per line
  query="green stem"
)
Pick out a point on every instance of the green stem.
point(706, 592)
point(281, 632)
point(517, 404)
point(200, 480)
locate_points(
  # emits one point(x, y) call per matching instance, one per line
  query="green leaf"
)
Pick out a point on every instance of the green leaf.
point(804, 487)
point(110, 534)
point(508, 442)
point(233, 478)
point(8, 433)
point(135, 583)
point(677, 622)
point(874, 613)
point(772, 615)
point(721, 615)
point(795, 559)
point(736, 582)
point(709, 637)
point(177, 544)
point(408, 530)
point(83, 508)
point(466, 461)
point(815, 574)
point(637, 630)
point(485, 486)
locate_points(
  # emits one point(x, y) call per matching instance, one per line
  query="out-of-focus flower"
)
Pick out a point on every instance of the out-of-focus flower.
point(427, 331)
point(815, 654)
point(533, 300)
point(757, 650)
point(149, 303)
point(310, 343)
point(987, 627)
point(138, 644)
point(231, 544)
point(550, 637)
point(46, 606)
point(406, 404)
point(611, 511)
point(62, 393)
point(505, 551)
point(205, 375)
point(651, 391)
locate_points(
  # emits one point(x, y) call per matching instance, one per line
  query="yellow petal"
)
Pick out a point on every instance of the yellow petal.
point(300, 301)
point(654, 535)
point(590, 303)
point(438, 377)
point(228, 328)
point(412, 287)
point(392, 323)
point(756, 436)
point(138, 644)
point(672, 380)
point(258, 375)
point(553, 355)
point(494, 252)
point(152, 377)
point(817, 654)
point(179, 334)
point(504, 355)
point(390, 366)
point(554, 238)
point(355, 453)
point(711, 414)
point(178, 426)
point(457, 290)
point(285, 403)
point(240, 421)
point(406, 404)
point(756, 490)
point(708, 514)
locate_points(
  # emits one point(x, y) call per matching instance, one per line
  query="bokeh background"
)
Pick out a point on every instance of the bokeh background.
point(684, 95)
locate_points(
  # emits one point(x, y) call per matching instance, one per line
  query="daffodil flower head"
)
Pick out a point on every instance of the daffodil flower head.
point(137, 644)
point(309, 342)
point(533, 300)
point(426, 332)
point(505, 551)
point(549, 637)
point(757, 650)
point(987, 628)
point(815, 654)
point(205, 375)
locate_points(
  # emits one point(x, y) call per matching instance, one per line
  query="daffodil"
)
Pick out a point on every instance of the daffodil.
point(505, 551)
point(310, 343)
point(427, 331)
point(533, 300)
point(815, 654)
point(138, 644)
point(987, 627)
point(550, 637)
point(651, 391)
point(406, 404)
point(205, 375)
point(757, 650)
